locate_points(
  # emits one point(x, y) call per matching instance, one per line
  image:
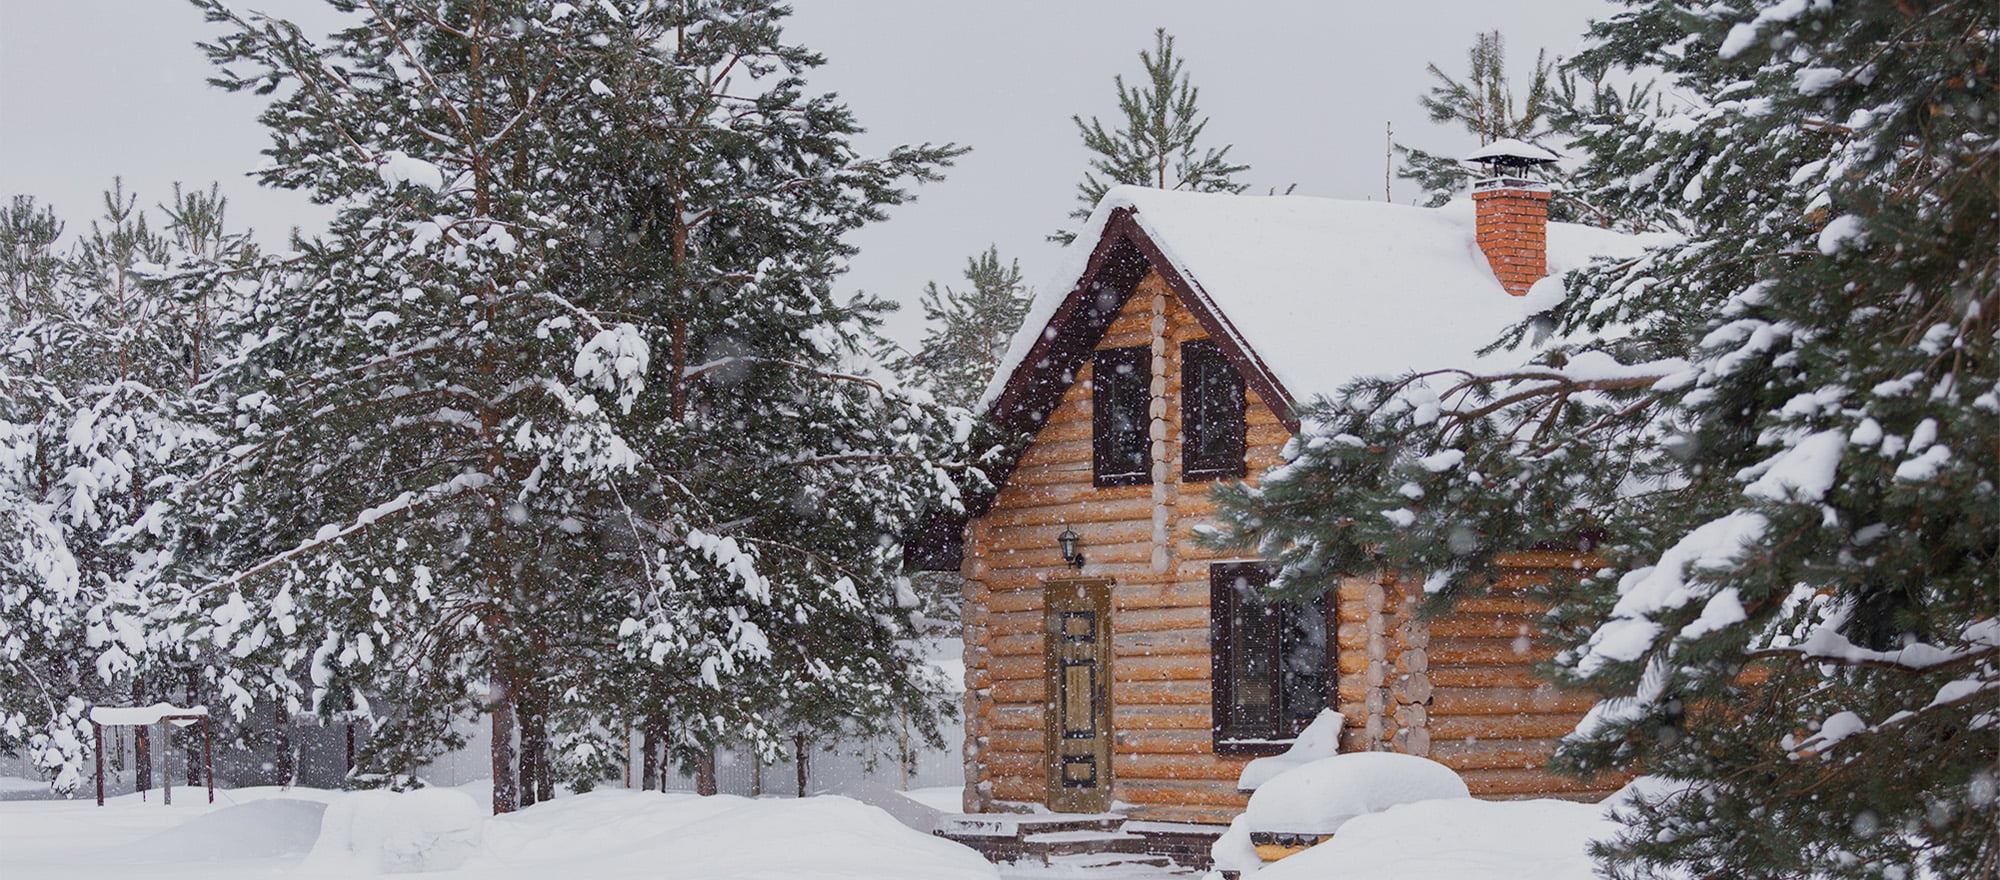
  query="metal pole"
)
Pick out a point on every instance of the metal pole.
point(208, 757)
point(166, 763)
point(97, 737)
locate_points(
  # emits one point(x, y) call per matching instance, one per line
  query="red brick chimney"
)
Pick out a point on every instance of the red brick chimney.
point(1513, 228)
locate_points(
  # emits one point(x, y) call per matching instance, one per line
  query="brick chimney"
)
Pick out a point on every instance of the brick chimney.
point(1513, 212)
point(1513, 229)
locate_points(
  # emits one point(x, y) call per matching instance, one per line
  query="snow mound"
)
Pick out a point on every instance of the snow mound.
point(1320, 739)
point(386, 832)
point(635, 833)
point(1459, 839)
point(261, 829)
point(1319, 796)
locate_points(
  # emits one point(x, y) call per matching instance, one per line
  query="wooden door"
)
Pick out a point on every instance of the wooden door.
point(1077, 655)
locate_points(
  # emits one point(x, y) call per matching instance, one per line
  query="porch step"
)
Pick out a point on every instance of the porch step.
point(1100, 861)
point(1079, 839)
point(1018, 825)
point(1069, 843)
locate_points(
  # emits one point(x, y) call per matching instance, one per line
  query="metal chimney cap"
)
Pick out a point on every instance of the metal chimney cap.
point(1512, 153)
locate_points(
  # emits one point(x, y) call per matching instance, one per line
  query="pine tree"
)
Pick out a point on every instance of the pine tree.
point(97, 424)
point(1777, 433)
point(558, 423)
point(1484, 105)
point(1160, 143)
point(968, 330)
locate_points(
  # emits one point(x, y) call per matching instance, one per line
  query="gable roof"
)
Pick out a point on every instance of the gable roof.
point(1304, 293)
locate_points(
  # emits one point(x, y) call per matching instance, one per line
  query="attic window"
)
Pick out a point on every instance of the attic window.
point(1211, 413)
point(1121, 439)
point(1270, 662)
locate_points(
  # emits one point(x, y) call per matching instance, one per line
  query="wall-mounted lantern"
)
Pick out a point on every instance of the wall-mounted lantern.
point(1067, 541)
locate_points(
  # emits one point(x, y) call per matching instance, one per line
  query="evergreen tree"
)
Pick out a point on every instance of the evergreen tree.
point(558, 422)
point(97, 424)
point(968, 330)
point(1159, 144)
point(1777, 433)
point(1485, 106)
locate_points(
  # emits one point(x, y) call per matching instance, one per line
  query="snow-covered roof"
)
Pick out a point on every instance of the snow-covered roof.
point(1320, 291)
point(1511, 148)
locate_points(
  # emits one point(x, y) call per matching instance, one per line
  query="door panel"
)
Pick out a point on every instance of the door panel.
point(1077, 655)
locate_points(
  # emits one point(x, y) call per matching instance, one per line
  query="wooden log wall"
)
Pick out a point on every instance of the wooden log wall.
point(1140, 537)
point(1458, 690)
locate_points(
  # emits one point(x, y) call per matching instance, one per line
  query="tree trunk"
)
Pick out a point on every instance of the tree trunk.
point(506, 794)
point(281, 738)
point(704, 775)
point(142, 758)
point(653, 744)
point(800, 759)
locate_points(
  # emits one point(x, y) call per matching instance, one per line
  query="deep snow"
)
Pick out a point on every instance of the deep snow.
point(270, 832)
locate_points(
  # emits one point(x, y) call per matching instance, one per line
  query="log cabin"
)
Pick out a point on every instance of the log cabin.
point(1114, 663)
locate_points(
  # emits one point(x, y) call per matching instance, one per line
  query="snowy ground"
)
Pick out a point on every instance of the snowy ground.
point(270, 832)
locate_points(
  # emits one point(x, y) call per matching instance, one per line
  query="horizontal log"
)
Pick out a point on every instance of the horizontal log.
point(1022, 741)
point(1163, 742)
point(1018, 764)
point(1016, 717)
point(1019, 645)
point(1009, 591)
point(1130, 717)
point(1187, 641)
point(1220, 793)
point(1015, 668)
point(1176, 767)
point(1497, 754)
point(1486, 652)
point(1501, 726)
point(1065, 456)
point(1131, 327)
point(1463, 625)
point(1494, 603)
point(1047, 519)
point(1020, 788)
point(1020, 691)
point(1488, 783)
point(1162, 693)
point(1508, 701)
point(1351, 663)
point(1141, 593)
point(1505, 675)
point(1555, 559)
point(1014, 623)
point(1156, 619)
point(1093, 531)
point(1172, 667)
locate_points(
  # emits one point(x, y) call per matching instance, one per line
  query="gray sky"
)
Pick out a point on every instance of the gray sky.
point(90, 89)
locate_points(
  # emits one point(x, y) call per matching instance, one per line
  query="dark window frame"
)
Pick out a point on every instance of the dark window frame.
point(1229, 734)
point(1121, 459)
point(1213, 414)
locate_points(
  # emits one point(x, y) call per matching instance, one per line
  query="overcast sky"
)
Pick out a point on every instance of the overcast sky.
point(90, 89)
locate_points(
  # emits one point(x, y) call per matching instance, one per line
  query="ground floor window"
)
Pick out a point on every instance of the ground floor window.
point(1271, 661)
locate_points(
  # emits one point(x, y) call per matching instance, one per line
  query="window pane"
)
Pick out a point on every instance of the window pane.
point(1212, 422)
point(1302, 666)
point(1121, 396)
point(1253, 685)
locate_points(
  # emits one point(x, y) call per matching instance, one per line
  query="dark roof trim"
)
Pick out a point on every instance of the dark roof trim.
point(1255, 372)
point(1123, 253)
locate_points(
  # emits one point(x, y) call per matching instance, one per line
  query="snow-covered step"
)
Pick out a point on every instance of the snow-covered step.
point(1098, 861)
point(1059, 843)
point(1017, 825)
